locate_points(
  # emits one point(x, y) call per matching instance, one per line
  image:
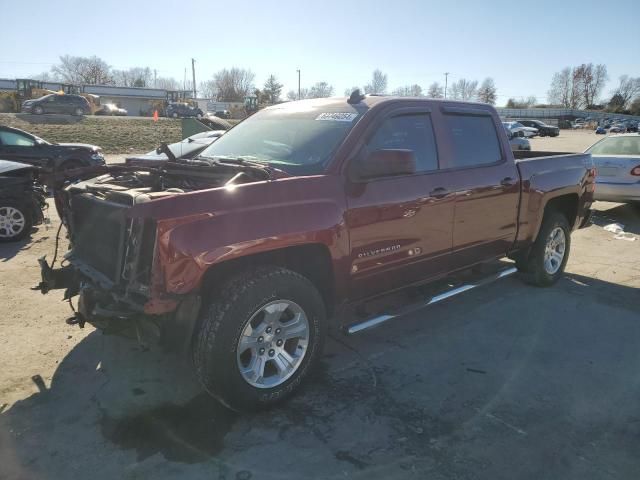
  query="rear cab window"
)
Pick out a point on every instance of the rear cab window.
point(474, 140)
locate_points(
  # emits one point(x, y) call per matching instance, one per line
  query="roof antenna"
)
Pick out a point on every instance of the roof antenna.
point(356, 97)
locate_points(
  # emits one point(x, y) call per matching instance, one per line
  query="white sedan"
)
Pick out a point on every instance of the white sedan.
point(516, 127)
point(617, 160)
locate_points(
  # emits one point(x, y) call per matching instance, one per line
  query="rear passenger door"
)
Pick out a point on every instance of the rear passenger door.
point(399, 227)
point(486, 183)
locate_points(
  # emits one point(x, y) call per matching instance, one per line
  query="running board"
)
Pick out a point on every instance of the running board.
point(380, 319)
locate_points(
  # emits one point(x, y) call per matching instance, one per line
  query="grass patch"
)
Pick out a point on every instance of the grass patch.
point(113, 134)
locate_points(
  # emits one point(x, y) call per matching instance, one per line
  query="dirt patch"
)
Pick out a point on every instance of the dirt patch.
point(113, 134)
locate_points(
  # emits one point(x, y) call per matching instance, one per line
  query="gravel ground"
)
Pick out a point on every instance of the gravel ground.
point(508, 381)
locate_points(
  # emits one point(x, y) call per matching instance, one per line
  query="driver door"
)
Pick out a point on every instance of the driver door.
point(401, 227)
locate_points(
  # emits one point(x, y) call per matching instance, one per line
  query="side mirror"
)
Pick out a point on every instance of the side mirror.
point(385, 163)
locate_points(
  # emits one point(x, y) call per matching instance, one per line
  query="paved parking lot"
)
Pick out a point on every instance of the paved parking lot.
point(508, 381)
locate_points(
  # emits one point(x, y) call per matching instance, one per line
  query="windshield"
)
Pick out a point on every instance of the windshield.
point(617, 146)
point(299, 140)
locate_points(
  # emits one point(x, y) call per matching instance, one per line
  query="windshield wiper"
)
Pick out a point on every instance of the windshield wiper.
point(240, 162)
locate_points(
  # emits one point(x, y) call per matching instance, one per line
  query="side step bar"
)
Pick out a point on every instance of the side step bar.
point(380, 319)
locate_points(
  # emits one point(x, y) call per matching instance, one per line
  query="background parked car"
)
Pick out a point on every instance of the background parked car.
point(111, 109)
point(181, 110)
point(543, 129)
point(518, 142)
point(58, 103)
point(617, 159)
point(20, 146)
point(186, 149)
point(601, 131)
point(518, 127)
point(22, 200)
point(618, 128)
point(222, 114)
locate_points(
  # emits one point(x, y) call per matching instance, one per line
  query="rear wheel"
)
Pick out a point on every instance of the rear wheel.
point(15, 221)
point(38, 110)
point(78, 112)
point(550, 252)
point(174, 115)
point(259, 337)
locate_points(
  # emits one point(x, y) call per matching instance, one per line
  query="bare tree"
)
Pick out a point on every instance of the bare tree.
point(487, 92)
point(378, 83)
point(435, 91)
point(414, 90)
point(320, 90)
point(272, 89)
point(133, 77)
point(464, 89)
point(528, 102)
point(628, 88)
point(207, 89)
point(234, 84)
point(292, 95)
point(577, 87)
point(167, 83)
point(82, 70)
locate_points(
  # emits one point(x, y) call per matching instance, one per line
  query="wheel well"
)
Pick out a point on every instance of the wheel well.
point(565, 204)
point(313, 261)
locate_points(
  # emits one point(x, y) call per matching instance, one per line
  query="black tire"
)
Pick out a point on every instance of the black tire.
point(174, 115)
point(38, 110)
point(6, 230)
point(78, 112)
point(222, 322)
point(533, 267)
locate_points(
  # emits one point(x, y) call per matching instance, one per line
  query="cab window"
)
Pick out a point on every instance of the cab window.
point(15, 140)
point(408, 132)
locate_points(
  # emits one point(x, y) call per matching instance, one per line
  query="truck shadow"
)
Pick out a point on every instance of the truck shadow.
point(11, 249)
point(624, 213)
point(379, 404)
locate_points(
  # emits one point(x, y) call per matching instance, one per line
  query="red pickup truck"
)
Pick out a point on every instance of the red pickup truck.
point(302, 212)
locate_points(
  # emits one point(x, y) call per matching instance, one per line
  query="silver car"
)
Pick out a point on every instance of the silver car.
point(617, 159)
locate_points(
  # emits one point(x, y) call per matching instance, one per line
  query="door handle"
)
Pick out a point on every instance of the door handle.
point(507, 182)
point(439, 192)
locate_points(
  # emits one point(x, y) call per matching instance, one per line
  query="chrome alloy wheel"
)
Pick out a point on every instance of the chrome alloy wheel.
point(12, 222)
point(273, 344)
point(554, 250)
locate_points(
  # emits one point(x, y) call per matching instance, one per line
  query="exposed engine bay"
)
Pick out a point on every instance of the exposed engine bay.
point(133, 185)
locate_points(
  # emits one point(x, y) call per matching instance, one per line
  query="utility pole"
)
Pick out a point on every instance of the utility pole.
point(193, 71)
point(184, 80)
point(446, 78)
point(298, 83)
point(155, 78)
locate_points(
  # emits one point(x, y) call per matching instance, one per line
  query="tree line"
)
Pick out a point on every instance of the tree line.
point(582, 87)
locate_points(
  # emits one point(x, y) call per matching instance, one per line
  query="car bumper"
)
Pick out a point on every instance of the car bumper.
point(617, 192)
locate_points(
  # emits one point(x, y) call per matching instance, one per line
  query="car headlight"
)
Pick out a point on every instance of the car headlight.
point(98, 157)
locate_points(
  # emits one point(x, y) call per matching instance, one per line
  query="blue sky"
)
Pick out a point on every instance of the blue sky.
point(340, 42)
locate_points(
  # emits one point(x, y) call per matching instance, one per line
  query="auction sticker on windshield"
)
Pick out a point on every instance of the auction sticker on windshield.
point(337, 116)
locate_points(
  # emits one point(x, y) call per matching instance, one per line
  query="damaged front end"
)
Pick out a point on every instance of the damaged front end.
point(113, 262)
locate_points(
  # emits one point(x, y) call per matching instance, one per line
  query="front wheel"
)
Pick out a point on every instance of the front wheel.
point(550, 252)
point(38, 110)
point(15, 221)
point(259, 337)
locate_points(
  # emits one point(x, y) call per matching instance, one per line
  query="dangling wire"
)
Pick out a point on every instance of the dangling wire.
point(55, 253)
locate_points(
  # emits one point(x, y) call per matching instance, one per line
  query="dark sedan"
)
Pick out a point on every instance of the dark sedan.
point(22, 200)
point(544, 130)
point(58, 103)
point(22, 146)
